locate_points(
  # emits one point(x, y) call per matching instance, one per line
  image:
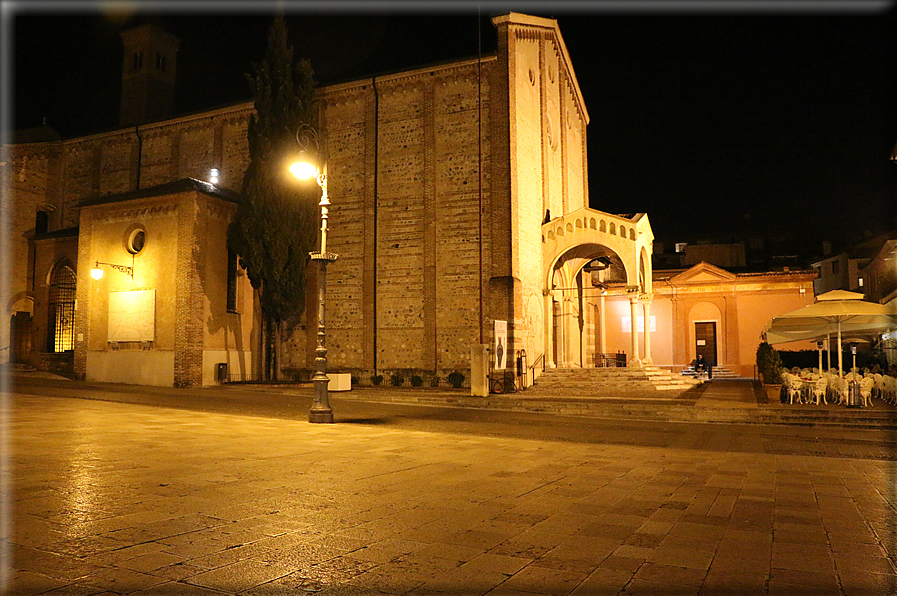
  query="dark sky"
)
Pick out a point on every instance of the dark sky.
point(711, 120)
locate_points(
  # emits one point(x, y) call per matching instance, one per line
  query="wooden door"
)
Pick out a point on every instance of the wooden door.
point(19, 336)
point(705, 341)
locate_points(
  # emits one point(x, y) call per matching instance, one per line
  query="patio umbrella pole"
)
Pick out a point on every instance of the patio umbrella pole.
point(828, 345)
point(840, 353)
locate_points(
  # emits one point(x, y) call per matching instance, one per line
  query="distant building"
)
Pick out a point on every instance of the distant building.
point(700, 310)
point(879, 274)
point(850, 269)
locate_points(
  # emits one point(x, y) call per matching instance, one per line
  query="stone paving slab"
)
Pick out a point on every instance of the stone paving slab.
point(116, 498)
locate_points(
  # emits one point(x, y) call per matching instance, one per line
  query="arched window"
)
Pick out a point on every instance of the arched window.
point(61, 308)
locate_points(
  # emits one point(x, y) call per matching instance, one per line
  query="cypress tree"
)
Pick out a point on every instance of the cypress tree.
point(276, 224)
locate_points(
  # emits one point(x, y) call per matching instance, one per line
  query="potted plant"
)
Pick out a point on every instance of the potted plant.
point(769, 365)
point(456, 379)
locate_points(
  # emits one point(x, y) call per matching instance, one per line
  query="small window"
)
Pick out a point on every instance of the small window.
point(860, 282)
point(41, 222)
point(160, 62)
point(138, 60)
point(836, 267)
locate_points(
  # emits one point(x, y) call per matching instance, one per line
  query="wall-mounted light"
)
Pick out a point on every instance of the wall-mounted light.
point(802, 291)
point(97, 273)
point(213, 176)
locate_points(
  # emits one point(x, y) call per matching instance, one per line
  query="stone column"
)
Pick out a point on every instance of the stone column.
point(563, 331)
point(634, 360)
point(548, 307)
point(646, 306)
point(602, 324)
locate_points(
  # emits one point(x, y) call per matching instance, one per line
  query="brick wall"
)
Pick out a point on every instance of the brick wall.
point(410, 159)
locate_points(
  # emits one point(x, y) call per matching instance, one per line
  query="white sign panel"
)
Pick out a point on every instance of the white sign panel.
point(132, 315)
point(501, 344)
point(627, 324)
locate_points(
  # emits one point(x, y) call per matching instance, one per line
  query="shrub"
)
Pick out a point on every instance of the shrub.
point(434, 382)
point(396, 380)
point(377, 379)
point(355, 380)
point(417, 381)
point(769, 364)
point(456, 379)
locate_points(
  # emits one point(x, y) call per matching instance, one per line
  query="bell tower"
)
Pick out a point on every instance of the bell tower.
point(148, 75)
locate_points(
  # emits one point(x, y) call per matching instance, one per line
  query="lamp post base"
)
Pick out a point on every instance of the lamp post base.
point(320, 416)
point(320, 409)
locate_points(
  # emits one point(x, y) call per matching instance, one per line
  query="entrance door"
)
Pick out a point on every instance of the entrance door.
point(705, 341)
point(20, 336)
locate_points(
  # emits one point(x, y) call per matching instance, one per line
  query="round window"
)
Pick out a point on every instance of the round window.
point(136, 241)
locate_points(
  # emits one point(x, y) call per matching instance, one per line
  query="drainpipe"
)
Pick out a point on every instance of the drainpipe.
point(376, 174)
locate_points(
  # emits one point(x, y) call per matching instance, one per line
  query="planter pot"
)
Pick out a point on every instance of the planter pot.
point(772, 391)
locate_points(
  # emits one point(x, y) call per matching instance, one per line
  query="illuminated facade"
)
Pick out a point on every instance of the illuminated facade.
point(460, 198)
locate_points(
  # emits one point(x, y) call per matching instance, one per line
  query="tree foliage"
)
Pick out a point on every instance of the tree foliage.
point(769, 364)
point(276, 224)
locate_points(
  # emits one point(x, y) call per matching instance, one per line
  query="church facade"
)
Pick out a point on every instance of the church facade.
point(460, 204)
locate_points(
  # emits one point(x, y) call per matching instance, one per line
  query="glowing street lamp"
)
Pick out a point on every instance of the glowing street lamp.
point(303, 169)
point(97, 273)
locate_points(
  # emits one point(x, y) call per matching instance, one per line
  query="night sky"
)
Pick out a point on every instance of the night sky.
point(713, 122)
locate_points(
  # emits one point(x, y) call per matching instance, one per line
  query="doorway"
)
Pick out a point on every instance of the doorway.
point(705, 341)
point(20, 337)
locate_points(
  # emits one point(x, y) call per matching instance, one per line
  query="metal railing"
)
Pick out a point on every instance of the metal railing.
point(609, 360)
point(539, 361)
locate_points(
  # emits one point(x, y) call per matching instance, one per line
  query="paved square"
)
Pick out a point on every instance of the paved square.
point(118, 498)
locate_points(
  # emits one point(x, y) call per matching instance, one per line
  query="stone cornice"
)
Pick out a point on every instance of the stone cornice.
point(117, 213)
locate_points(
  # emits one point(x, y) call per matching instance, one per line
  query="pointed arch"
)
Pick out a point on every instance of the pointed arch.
point(61, 307)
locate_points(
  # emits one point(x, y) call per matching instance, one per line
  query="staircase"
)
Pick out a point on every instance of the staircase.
point(648, 382)
point(719, 372)
point(16, 367)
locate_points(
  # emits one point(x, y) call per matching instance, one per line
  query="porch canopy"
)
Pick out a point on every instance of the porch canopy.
point(834, 313)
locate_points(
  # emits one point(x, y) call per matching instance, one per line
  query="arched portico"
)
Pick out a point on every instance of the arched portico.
point(570, 243)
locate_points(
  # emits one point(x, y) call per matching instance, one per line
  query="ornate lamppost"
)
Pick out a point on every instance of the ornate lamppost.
point(306, 168)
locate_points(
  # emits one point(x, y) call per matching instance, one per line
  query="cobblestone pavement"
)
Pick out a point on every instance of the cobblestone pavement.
point(108, 497)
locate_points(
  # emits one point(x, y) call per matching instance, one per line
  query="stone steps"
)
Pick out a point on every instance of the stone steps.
point(17, 367)
point(585, 382)
point(719, 372)
point(661, 409)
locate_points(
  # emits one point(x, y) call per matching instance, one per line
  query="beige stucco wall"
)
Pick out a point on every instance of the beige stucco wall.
point(739, 305)
point(184, 262)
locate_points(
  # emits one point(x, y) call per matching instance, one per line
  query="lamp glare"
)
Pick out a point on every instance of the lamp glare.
point(303, 170)
point(96, 273)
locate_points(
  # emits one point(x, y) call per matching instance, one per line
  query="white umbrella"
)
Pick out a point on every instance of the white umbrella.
point(834, 312)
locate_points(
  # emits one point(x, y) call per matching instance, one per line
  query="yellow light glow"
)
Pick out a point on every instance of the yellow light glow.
point(303, 170)
point(96, 273)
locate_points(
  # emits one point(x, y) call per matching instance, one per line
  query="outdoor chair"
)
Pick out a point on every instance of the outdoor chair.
point(889, 389)
point(866, 390)
point(819, 388)
point(842, 387)
point(793, 386)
